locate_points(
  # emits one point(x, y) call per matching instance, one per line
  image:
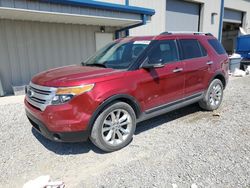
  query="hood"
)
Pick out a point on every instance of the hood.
point(73, 75)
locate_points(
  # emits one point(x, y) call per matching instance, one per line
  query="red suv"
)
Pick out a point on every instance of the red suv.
point(127, 81)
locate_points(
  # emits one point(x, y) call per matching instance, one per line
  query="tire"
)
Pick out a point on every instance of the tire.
point(213, 96)
point(114, 127)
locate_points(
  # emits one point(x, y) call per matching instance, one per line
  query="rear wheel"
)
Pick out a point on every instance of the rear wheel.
point(114, 127)
point(213, 96)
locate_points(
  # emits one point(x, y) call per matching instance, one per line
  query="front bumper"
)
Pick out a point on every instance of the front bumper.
point(62, 123)
point(78, 136)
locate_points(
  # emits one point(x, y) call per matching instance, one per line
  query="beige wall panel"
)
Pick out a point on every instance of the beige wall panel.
point(157, 24)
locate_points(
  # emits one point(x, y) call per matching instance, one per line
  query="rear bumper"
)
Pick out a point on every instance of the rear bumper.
point(40, 127)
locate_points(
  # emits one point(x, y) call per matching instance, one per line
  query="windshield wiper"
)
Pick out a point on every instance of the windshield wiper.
point(83, 63)
point(94, 65)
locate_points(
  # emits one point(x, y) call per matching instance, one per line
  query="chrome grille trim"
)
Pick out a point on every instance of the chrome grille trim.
point(41, 91)
point(40, 96)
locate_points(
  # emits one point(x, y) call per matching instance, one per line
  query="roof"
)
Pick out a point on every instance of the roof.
point(87, 12)
point(167, 35)
point(103, 5)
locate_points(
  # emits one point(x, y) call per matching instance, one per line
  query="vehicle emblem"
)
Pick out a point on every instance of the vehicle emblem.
point(30, 93)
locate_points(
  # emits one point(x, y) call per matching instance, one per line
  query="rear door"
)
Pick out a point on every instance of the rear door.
point(196, 65)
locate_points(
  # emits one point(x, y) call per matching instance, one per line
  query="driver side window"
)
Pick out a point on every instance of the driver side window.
point(165, 51)
point(117, 56)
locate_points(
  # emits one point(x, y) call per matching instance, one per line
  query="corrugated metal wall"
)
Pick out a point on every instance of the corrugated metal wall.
point(27, 48)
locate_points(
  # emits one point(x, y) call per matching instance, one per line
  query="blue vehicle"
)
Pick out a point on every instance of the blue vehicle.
point(243, 48)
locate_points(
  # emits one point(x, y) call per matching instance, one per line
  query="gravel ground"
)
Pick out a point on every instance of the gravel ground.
point(184, 147)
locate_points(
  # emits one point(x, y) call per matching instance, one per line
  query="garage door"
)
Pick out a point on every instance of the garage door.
point(182, 16)
point(231, 22)
point(232, 16)
point(27, 48)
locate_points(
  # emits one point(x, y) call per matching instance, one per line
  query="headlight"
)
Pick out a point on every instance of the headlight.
point(65, 94)
point(60, 99)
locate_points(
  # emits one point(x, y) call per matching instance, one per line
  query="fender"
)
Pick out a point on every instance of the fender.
point(122, 97)
point(220, 75)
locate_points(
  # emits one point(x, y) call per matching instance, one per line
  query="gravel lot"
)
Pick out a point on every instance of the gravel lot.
point(210, 149)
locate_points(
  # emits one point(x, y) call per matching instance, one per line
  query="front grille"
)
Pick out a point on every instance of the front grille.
point(41, 101)
point(40, 91)
point(40, 96)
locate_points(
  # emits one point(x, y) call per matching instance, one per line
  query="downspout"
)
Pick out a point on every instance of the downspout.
point(127, 2)
point(127, 31)
point(221, 20)
point(144, 20)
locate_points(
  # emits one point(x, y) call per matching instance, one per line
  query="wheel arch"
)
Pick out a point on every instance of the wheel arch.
point(119, 97)
point(221, 77)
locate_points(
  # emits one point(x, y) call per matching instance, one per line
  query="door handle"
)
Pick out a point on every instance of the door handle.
point(178, 70)
point(210, 62)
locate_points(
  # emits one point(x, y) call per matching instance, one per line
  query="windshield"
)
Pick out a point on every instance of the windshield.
point(117, 55)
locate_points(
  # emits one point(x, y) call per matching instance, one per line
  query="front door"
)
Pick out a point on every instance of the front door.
point(160, 85)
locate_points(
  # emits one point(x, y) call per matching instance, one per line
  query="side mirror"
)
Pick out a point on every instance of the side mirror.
point(147, 65)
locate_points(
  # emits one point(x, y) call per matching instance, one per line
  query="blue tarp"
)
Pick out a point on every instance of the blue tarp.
point(243, 46)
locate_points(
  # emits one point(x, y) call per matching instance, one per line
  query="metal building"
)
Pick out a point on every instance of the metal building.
point(39, 34)
point(42, 34)
point(198, 15)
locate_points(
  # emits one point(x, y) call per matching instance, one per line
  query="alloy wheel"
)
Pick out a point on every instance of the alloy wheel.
point(116, 127)
point(215, 95)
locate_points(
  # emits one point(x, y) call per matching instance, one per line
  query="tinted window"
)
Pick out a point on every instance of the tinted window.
point(191, 48)
point(137, 49)
point(217, 46)
point(164, 51)
point(203, 50)
point(118, 55)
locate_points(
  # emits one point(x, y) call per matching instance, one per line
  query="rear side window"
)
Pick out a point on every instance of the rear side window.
point(191, 48)
point(217, 46)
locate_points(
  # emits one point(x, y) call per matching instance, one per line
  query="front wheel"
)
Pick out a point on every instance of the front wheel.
point(213, 96)
point(114, 127)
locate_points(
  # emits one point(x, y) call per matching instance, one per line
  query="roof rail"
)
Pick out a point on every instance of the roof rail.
point(185, 32)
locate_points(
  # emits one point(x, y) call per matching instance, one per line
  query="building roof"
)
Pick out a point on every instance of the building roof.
point(88, 12)
point(104, 5)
